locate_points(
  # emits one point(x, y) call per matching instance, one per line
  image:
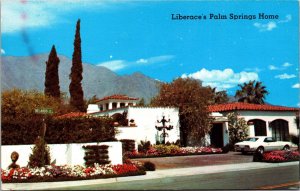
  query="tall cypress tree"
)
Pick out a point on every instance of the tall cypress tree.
point(75, 87)
point(51, 75)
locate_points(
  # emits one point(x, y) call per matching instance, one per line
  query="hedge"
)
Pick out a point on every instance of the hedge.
point(59, 131)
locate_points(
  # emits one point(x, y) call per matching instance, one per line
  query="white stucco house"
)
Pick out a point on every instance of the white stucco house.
point(263, 120)
point(145, 118)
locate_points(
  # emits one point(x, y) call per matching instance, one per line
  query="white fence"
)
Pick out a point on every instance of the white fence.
point(71, 154)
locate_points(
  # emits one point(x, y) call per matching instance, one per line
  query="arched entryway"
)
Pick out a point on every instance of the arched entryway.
point(260, 127)
point(216, 135)
point(280, 129)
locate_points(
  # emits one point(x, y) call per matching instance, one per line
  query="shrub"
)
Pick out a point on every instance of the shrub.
point(59, 131)
point(40, 154)
point(149, 166)
point(16, 132)
point(128, 145)
point(167, 149)
point(79, 130)
point(257, 157)
point(96, 154)
point(225, 149)
point(295, 139)
point(144, 146)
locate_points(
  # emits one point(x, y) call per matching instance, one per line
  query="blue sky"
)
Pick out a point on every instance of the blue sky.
point(140, 36)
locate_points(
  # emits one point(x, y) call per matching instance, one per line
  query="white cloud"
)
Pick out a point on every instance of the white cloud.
point(2, 51)
point(286, 64)
point(155, 59)
point(272, 67)
point(158, 59)
point(142, 61)
point(256, 69)
point(272, 24)
point(115, 65)
point(222, 79)
point(288, 18)
point(282, 67)
point(266, 27)
point(285, 76)
point(296, 85)
point(42, 13)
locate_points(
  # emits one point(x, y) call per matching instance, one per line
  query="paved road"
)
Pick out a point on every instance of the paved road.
point(286, 177)
point(198, 160)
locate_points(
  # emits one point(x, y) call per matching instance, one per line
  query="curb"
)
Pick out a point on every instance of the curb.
point(150, 175)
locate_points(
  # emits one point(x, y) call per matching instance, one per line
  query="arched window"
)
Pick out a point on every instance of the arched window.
point(260, 127)
point(280, 130)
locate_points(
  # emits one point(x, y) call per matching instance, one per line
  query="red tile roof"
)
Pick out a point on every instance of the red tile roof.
point(249, 107)
point(118, 97)
point(72, 115)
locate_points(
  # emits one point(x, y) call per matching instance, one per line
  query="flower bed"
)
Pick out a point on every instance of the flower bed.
point(52, 173)
point(172, 150)
point(281, 156)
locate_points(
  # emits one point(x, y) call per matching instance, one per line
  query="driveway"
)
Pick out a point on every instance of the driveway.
point(198, 160)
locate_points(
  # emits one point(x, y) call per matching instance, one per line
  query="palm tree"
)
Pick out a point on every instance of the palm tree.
point(218, 97)
point(252, 92)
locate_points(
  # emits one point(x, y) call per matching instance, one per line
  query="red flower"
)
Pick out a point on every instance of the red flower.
point(125, 168)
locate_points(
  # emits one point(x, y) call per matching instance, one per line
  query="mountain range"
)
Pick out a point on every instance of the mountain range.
point(29, 73)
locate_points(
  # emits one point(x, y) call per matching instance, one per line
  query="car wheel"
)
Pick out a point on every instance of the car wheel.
point(286, 148)
point(260, 150)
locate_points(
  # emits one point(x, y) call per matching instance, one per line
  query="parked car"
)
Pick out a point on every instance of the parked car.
point(262, 144)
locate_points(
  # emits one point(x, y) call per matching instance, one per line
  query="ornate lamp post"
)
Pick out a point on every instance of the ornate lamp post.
point(163, 128)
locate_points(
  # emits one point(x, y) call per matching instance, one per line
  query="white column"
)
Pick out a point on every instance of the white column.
point(110, 105)
point(126, 103)
point(118, 104)
point(251, 131)
point(269, 130)
point(226, 133)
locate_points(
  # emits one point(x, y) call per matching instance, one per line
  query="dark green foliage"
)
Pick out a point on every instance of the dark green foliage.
point(92, 100)
point(96, 154)
point(177, 143)
point(120, 118)
point(257, 157)
point(51, 75)
point(297, 121)
point(295, 139)
point(79, 130)
point(252, 92)
point(141, 103)
point(128, 145)
point(226, 148)
point(75, 87)
point(17, 132)
point(144, 146)
point(59, 131)
point(218, 97)
point(149, 166)
point(40, 154)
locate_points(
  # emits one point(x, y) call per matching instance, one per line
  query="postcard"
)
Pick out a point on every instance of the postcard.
point(150, 94)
